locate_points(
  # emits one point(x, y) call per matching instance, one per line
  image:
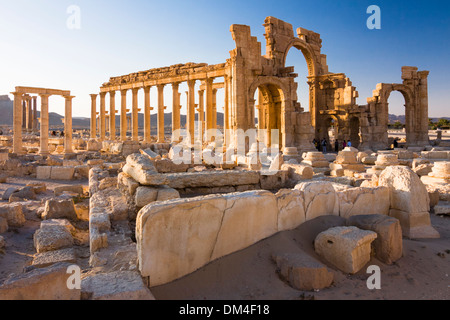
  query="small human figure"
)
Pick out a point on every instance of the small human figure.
point(316, 144)
point(336, 146)
point(395, 143)
point(62, 134)
point(324, 145)
point(349, 143)
point(344, 144)
point(53, 133)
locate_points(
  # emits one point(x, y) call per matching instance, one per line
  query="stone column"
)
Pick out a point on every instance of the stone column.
point(34, 125)
point(214, 111)
point(201, 114)
point(135, 115)
point(102, 116)
point(209, 107)
point(93, 116)
point(17, 123)
point(68, 148)
point(175, 111)
point(44, 124)
point(190, 119)
point(226, 115)
point(123, 115)
point(29, 114)
point(112, 115)
point(147, 115)
point(161, 108)
point(24, 112)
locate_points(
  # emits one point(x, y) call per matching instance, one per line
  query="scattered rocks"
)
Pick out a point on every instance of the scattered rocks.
point(13, 213)
point(45, 259)
point(52, 238)
point(59, 209)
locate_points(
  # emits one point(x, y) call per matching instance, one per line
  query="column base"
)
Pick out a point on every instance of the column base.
point(69, 155)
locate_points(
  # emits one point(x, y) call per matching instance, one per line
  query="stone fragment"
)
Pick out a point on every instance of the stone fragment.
point(43, 172)
point(29, 285)
point(45, 259)
point(298, 171)
point(347, 248)
point(166, 193)
point(442, 208)
point(59, 209)
point(3, 225)
point(145, 195)
point(320, 199)
point(141, 169)
point(62, 173)
point(357, 201)
point(26, 193)
point(303, 272)
point(118, 285)
point(2, 243)
point(212, 179)
point(52, 238)
point(13, 213)
point(291, 209)
point(72, 188)
point(389, 244)
point(38, 187)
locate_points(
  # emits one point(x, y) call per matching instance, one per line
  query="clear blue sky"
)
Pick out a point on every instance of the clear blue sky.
point(121, 37)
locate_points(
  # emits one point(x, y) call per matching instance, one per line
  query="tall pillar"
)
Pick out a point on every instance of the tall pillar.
point(44, 124)
point(34, 125)
point(29, 114)
point(201, 113)
point(226, 123)
point(214, 112)
point(191, 110)
point(160, 113)
point(123, 115)
point(112, 115)
point(17, 123)
point(147, 115)
point(68, 148)
point(102, 116)
point(93, 116)
point(24, 112)
point(135, 115)
point(175, 110)
point(209, 107)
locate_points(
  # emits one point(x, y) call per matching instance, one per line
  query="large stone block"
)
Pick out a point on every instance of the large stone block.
point(13, 213)
point(409, 201)
point(52, 238)
point(62, 173)
point(303, 272)
point(45, 259)
point(212, 179)
point(347, 248)
point(141, 169)
point(389, 244)
point(40, 284)
point(320, 199)
point(298, 171)
point(59, 209)
point(43, 173)
point(177, 237)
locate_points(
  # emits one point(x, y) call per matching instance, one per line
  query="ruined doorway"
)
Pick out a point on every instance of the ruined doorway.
point(355, 136)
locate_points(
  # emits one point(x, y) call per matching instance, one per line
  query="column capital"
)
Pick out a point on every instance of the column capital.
point(147, 88)
point(94, 95)
point(175, 85)
point(44, 95)
point(191, 83)
point(112, 93)
point(68, 98)
point(123, 92)
point(102, 94)
point(160, 86)
point(135, 90)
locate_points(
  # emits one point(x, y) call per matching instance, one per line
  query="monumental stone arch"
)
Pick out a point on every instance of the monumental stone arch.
point(415, 92)
point(262, 86)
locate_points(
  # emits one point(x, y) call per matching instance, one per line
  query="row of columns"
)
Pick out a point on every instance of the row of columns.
point(19, 113)
point(207, 116)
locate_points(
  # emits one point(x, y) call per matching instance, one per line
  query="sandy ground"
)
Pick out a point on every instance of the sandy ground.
point(250, 274)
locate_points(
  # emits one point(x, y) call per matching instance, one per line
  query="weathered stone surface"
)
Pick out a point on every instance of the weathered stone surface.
point(141, 169)
point(389, 244)
point(168, 166)
point(43, 172)
point(165, 255)
point(212, 179)
point(45, 259)
point(363, 201)
point(26, 193)
point(303, 272)
point(127, 184)
point(320, 199)
point(2, 242)
point(13, 213)
point(59, 209)
point(442, 208)
point(108, 182)
point(291, 209)
point(347, 248)
point(145, 195)
point(62, 173)
point(119, 285)
point(3, 225)
point(409, 201)
point(72, 188)
point(40, 284)
point(8, 192)
point(166, 193)
point(298, 171)
point(38, 187)
point(423, 169)
point(52, 238)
